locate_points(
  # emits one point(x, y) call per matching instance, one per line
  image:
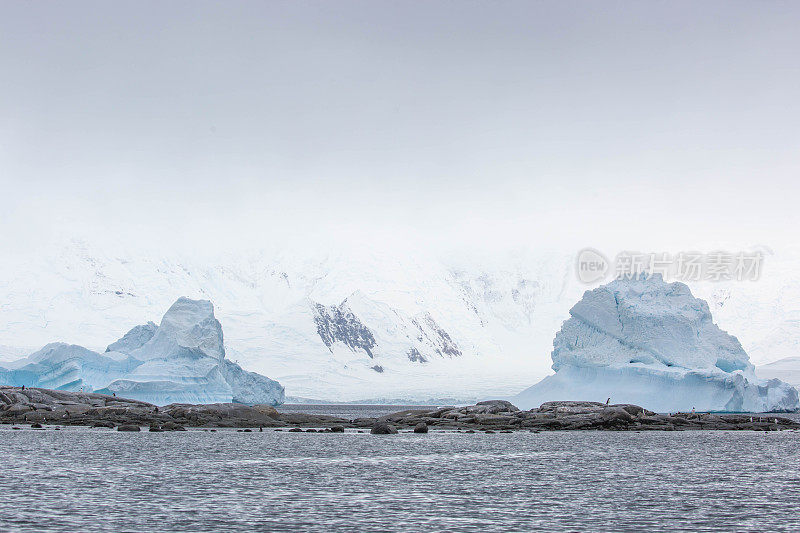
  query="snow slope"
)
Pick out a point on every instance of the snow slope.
point(355, 324)
point(652, 343)
point(786, 369)
point(343, 325)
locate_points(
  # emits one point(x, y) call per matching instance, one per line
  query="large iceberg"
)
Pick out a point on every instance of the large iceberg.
point(650, 343)
point(180, 360)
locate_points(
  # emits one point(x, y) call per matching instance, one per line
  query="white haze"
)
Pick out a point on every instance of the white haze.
point(209, 125)
point(203, 133)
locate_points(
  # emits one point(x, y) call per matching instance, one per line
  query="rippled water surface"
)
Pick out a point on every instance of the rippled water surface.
point(82, 479)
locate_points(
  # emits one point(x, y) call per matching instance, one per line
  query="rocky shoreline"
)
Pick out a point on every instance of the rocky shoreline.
point(37, 407)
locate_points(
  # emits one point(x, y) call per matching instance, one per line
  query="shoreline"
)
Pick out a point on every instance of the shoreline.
point(35, 406)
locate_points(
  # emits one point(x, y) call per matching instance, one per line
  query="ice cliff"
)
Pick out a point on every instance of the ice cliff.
point(181, 360)
point(651, 343)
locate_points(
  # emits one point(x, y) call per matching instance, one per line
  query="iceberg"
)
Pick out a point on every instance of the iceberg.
point(180, 360)
point(651, 343)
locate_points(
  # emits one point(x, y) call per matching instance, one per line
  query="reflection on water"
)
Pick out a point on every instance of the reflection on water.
point(81, 479)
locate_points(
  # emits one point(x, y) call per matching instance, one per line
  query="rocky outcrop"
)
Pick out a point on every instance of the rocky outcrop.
point(366, 326)
point(43, 406)
point(436, 337)
point(100, 410)
point(339, 324)
point(577, 415)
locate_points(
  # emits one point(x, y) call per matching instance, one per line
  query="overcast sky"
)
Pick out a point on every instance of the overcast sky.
point(631, 124)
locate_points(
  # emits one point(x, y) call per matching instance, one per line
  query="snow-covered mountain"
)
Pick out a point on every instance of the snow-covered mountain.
point(338, 326)
point(180, 360)
point(786, 369)
point(648, 342)
point(351, 324)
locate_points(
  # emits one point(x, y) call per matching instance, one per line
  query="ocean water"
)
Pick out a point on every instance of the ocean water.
point(93, 479)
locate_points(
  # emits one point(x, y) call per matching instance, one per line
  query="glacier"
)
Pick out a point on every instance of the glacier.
point(306, 318)
point(652, 343)
point(180, 360)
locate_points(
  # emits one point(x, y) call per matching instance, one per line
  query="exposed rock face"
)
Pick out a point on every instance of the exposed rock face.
point(366, 326)
point(182, 359)
point(338, 323)
point(415, 356)
point(648, 342)
point(437, 337)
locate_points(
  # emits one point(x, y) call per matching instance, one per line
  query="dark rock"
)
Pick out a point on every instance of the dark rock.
point(616, 415)
point(422, 427)
point(129, 427)
point(267, 410)
point(40, 406)
point(338, 323)
point(36, 425)
point(295, 430)
point(498, 406)
point(383, 428)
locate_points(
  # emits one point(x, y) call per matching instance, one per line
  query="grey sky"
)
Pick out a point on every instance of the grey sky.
point(630, 123)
